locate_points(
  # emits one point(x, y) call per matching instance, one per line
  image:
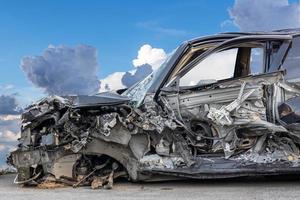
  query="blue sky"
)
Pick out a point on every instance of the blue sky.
point(116, 28)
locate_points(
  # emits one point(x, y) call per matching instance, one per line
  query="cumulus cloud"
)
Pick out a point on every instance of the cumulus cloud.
point(8, 105)
point(140, 73)
point(257, 15)
point(148, 60)
point(112, 82)
point(2, 147)
point(9, 117)
point(64, 70)
point(9, 133)
point(149, 55)
point(120, 80)
point(7, 87)
point(10, 122)
point(9, 136)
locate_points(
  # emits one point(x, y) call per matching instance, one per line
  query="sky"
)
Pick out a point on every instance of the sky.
point(85, 46)
point(117, 29)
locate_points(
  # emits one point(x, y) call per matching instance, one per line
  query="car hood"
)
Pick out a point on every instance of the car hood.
point(105, 98)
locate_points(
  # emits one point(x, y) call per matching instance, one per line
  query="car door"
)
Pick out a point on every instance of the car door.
point(223, 92)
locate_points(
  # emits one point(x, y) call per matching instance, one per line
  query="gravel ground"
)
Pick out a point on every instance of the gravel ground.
point(254, 188)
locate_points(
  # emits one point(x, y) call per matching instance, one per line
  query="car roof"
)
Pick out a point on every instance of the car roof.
point(221, 37)
point(227, 35)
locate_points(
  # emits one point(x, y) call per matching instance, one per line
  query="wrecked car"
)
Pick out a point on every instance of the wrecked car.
point(220, 106)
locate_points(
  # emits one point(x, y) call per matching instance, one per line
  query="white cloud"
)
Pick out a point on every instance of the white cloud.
point(2, 147)
point(9, 136)
point(148, 59)
point(7, 87)
point(64, 70)
point(149, 55)
point(112, 82)
point(9, 117)
point(258, 15)
point(9, 133)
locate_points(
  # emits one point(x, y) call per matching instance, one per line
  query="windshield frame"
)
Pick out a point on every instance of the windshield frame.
point(139, 90)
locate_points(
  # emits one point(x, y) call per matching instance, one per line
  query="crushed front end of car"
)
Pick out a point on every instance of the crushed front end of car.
point(61, 138)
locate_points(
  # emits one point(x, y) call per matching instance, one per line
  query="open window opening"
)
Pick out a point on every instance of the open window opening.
point(229, 63)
